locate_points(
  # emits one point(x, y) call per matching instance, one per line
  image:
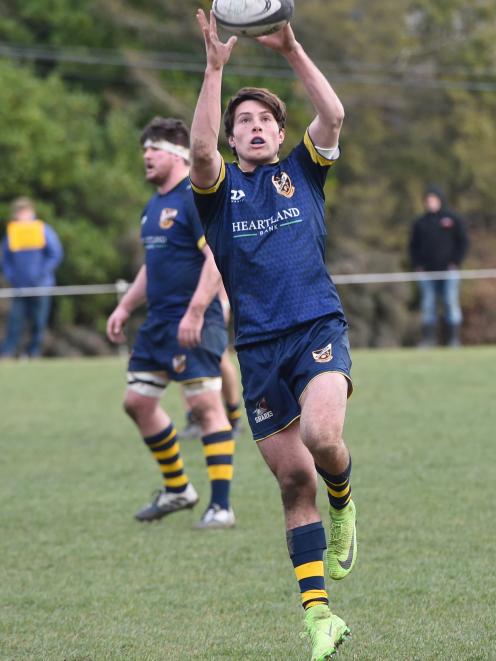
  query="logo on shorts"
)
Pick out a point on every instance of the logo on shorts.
point(283, 185)
point(323, 355)
point(167, 216)
point(262, 411)
point(179, 363)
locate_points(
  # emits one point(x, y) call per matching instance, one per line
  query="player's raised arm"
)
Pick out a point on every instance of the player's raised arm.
point(325, 128)
point(204, 135)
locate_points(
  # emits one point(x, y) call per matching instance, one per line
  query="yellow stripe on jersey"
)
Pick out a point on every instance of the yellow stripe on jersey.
point(201, 243)
point(26, 235)
point(309, 569)
point(224, 447)
point(221, 472)
point(314, 154)
point(215, 187)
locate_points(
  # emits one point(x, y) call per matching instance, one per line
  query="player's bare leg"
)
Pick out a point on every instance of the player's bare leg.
point(323, 408)
point(230, 391)
point(293, 466)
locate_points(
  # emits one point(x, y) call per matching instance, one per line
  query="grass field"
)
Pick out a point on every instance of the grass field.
point(81, 580)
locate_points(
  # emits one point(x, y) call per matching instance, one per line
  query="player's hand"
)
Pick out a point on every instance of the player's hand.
point(190, 328)
point(218, 52)
point(283, 41)
point(115, 325)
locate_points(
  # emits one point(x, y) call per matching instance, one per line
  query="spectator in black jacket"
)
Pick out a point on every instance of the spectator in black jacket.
point(439, 242)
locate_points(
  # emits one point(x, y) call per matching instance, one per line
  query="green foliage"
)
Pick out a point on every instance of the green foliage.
point(416, 78)
point(85, 176)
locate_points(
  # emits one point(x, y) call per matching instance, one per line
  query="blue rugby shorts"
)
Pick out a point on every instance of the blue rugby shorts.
point(156, 349)
point(275, 372)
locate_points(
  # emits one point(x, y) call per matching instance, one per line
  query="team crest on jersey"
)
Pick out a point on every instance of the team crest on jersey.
point(167, 216)
point(262, 411)
point(179, 363)
point(283, 185)
point(323, 355)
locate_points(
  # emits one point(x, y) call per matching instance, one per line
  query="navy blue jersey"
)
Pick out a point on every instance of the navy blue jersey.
point(173, 239)
point(267, 231)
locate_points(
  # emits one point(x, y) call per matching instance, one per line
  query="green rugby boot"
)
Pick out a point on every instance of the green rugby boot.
point(342, 548)
point(326, 632)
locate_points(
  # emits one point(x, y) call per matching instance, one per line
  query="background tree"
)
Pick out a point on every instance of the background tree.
point(418, 80)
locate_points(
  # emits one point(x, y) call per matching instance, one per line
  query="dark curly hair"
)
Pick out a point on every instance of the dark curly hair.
point(170, 129)
point(261, 94)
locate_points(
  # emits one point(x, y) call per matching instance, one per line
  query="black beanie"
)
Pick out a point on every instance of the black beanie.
point(437, 191)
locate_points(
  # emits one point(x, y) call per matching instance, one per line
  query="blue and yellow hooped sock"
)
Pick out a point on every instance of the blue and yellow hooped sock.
point(338, 487)
point(166, 451)
point(233, 414)
point(306, 546)
point(218, 449)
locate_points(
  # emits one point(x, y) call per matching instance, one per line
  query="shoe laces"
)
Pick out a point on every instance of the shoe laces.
point(211, 509)
point(336, 531)
point(156, 495)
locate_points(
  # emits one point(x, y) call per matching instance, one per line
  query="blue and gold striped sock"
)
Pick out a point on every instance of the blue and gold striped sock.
point(338, 487)
point(219, 450)
point(166, 451)
point(233, 414)
point(306, 546)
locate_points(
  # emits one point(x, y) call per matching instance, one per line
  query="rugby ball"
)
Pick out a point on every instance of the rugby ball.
point(252, 18)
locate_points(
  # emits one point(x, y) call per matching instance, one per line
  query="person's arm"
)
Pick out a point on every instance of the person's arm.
point(326, 126)
point(224, 301)
point(7, 262)
point(54, 252)
point(461, 242)
point(204, 135)
point(132, 299)
point(190, 326)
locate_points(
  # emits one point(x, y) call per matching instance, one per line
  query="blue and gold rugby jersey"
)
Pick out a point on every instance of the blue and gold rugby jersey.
point(267, 232)
point(173, 239)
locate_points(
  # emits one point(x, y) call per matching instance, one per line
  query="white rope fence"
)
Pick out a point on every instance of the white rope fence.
point(120, 287)
point(117, 288)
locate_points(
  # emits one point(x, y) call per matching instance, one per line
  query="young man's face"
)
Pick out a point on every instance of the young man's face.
point(158, 165)
point(256, 134)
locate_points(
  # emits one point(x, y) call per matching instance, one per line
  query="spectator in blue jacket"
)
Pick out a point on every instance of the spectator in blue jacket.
point(31, 253)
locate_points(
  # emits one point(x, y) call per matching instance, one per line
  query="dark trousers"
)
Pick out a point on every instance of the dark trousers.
point(32, 310)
